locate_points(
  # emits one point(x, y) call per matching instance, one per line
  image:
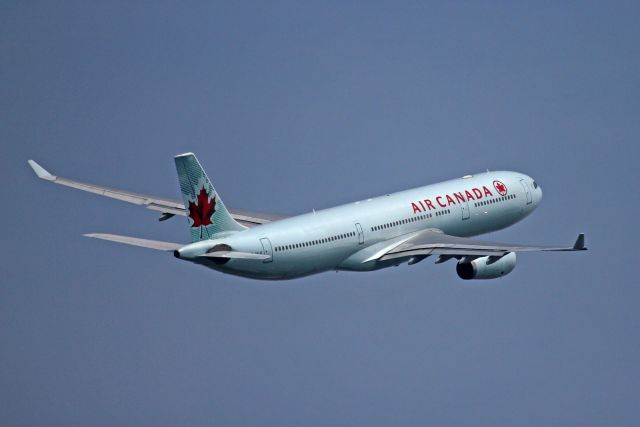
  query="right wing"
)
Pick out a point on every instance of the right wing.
point(167, 207)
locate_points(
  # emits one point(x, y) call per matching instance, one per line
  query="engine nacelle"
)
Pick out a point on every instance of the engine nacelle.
point(487, 267)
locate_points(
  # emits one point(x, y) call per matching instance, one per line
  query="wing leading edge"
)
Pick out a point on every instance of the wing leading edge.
point(434, 242)
point(167, 207)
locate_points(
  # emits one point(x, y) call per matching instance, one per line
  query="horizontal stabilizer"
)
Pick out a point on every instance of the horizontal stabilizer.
point(134, 241)
point(235, 255)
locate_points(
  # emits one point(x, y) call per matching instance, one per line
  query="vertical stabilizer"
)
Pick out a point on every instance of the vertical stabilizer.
point(207, 214)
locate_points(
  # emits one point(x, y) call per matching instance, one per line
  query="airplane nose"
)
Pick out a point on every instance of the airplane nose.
point(537, 190)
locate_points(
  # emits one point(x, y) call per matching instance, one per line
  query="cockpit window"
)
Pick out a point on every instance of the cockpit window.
point(535, 184)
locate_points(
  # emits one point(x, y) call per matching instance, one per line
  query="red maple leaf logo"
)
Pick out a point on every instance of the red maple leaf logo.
point(500, 187)
point(202, 211)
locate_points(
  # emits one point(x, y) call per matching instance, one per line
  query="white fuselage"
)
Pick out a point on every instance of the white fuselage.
point(344, 237)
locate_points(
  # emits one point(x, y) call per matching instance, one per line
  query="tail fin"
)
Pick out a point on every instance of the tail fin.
point(207, 213)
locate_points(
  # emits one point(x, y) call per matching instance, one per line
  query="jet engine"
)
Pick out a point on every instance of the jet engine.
point(486, 267)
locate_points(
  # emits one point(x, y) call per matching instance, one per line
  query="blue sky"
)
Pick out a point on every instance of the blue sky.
point(292, 106)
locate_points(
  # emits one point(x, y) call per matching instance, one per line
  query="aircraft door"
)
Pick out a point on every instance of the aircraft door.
point(267, 249)
point(527, 191)
point(360, 233)
point(465, 210)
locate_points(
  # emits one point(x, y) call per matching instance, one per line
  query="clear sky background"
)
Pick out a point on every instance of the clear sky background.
point(292, 106)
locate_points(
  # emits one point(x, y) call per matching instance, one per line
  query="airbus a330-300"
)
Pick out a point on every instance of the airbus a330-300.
point(405, 227)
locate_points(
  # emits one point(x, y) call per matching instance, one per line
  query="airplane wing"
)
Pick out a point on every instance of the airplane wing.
point(167, 207)
point(435, 242)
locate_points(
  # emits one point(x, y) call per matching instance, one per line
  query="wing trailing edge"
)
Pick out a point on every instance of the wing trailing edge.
point(434, 242)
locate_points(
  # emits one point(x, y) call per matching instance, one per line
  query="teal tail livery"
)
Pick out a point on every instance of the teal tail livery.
point(436, 221)
point(207, 213)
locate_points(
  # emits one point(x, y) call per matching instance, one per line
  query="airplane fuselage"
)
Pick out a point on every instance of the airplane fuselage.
point(344, 237)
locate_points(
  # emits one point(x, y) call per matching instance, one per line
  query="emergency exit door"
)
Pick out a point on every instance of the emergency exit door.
point(267, 249)
point(360, 233)
point(464, 206)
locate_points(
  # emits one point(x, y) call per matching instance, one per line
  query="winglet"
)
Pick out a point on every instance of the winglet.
point(579, 244)
point(40, 171)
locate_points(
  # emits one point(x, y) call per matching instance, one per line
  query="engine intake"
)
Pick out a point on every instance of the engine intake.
point(487, 267)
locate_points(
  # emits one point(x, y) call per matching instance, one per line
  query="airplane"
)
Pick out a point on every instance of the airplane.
point(404, 227)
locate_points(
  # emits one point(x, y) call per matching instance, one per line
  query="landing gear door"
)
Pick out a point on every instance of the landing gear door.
point(267, 249)
point(527, 191)
point(360, 233)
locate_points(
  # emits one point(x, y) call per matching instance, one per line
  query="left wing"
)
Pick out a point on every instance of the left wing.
point(435, 242)
point(167, 207)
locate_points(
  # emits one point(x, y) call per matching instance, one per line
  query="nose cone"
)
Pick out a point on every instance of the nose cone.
point(537, 192)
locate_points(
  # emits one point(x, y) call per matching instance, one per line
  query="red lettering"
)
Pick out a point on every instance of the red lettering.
point(486, 191)
point(450, 200)
point(459, 197)
point(478, 193)
point(422, 205)
point(469, 195)
point(439, 202)
point(415, 208)
point(429, 204)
